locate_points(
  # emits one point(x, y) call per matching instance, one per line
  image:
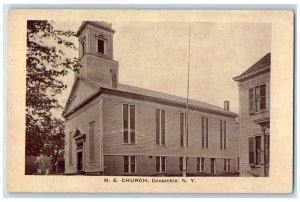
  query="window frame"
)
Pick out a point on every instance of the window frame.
point(160, 164)
point(99, 37)
point(200, 164)
point(256, 101)
point(129, 165)
point(223, 134)
point(185, 136)
point(128, 124)
point(160, 127)
point(227, 165)
point(92, 141)
point(71, 148)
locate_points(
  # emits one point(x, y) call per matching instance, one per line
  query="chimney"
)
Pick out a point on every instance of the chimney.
point(226, 105)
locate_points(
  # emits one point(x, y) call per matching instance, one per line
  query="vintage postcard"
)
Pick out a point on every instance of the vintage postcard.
point(150, 101)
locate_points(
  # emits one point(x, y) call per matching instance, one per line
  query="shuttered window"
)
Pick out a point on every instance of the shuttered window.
point(128, 124)
point(70, 148)
point(251, 101)
point(257, 98)
point(257, 150)
point(91, 141)
point(254, 150)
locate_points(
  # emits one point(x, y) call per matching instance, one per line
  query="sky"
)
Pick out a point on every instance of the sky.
point(155, 55)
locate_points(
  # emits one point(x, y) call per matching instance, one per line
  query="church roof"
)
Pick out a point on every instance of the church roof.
point(260, 66)
point(146, 94)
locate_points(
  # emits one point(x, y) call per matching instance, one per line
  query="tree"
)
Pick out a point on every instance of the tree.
point(47, 61)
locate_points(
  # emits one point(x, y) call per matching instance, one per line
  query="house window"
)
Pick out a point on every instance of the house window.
point(223, 134)
point(184, 130)
point(160, 164)
point(129, 164)
point(101, 46)
point(227, 166)
point(181, 163)
point(200, 165)
point(70, 148)
point(257, 98)
point(128, 124)
point(204, 132)
point(160, 127)
point(254, 150)
point(91, 141)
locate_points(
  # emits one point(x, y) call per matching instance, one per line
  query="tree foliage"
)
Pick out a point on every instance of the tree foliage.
point(47, 61)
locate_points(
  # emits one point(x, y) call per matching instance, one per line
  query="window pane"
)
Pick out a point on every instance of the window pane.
point(70, 147)
point(263, 90)
point(206, 132)
point(198, 164)
point(202, 164)
point(202, 131)
point(157, 126)
point(126, 164)
point(225, 166)
point(181, 129)
point(125, 123)
point(132, 124)
point(91, 142)
point(132, 164)
point(181, 163)
point(186, 128)
point(163, 128)
point(100, 46)
point(224, 124)
point(258, 149)
point(163, 164)
point(257, 98)
point(228, 165)
point(157, 164)
point(221, 135)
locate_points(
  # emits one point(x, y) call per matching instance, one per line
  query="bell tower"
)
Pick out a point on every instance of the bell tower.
point(96, 53)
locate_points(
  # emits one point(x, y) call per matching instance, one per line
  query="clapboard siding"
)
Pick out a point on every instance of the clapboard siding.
point(247, 127)
point(81, 119)
point(145, 130)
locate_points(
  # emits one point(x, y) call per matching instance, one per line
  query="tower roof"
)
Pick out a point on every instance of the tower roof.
point(100, 24)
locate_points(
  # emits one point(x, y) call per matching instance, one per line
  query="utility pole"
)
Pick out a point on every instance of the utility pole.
point(186, 117)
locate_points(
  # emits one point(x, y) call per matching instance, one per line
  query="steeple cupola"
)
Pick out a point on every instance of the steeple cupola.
point(96, 53)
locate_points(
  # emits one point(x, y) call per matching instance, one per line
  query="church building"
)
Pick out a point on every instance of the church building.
point(116, 129)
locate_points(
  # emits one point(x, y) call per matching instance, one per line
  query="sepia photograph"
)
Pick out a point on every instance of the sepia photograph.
point(87, 113)
point(130, 100)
